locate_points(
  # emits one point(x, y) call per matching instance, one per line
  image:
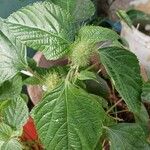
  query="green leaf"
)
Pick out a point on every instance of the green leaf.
point(146, 92)
point(69, 118)
point(79, 9)
point(138, 16)
point(143, 119)
point(87, 75)
point(124, 17)
point(31, 81)
point(99, 87)
point(123, 68)
point(126, 136)
point(12, 144)
point(5, 132)
point(10, 89)
point(94, 34)
point(12, 54)
point(16, 114)
point(45, 27)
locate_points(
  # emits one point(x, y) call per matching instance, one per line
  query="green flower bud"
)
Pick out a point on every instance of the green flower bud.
point(51, 81)
point(81, 53)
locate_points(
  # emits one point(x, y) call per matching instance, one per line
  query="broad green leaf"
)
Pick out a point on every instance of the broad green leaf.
point(5, 132)
point(69, 118)
point(79, 9)
point(11, 88)
point(12, 144)
point(146, 92)
point(95, 34)
point(123, 68)
point(12, 54)
point(16, 114)
point(45, 27)
point(126, 136)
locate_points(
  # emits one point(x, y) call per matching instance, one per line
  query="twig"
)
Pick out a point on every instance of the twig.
point(111, 108)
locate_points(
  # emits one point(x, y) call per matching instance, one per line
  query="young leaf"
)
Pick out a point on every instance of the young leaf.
point(124, 70)
point(124, 17)
point(45, 27)
point(16, 114)
point(11, 88)
point(12, 55)
point(94, 83)
point(126, 136)
point(69, 118)
point(94, 34)
point(79, 9)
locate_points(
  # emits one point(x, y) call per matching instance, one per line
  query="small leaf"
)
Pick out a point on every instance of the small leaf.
point(123, 68)
point(94, 34)
point(31, 81)
point(94, 84)
point(124, 17)
point(69, 118)
point(126, 136)
point(45, 27)
point(16, 114)
point(10, 89)
point(98, 87)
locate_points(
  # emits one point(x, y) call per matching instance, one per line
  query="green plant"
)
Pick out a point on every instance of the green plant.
point(69, 115)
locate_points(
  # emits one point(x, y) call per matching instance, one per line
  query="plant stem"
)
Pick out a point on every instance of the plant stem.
point(111, 108)
point(122, 111)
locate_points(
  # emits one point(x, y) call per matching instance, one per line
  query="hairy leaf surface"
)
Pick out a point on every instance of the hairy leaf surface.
point(12, 54)
point(5, 132)
point(45, 27)
point(96, 34)
point(69, 118)
point(79, 9)
point(146, 92)
point(10, 89)
point(124, 70)
point(16, 114)
point(126, 136)
point(12, 144)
